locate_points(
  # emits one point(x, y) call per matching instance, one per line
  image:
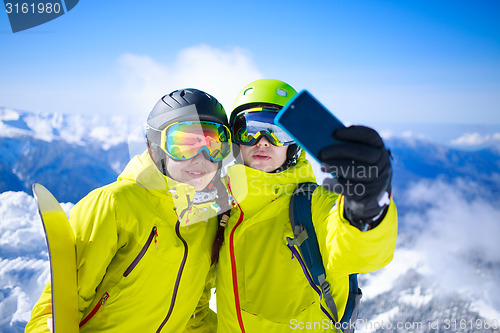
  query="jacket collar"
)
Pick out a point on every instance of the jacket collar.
point(142, 170)
point(252, 189)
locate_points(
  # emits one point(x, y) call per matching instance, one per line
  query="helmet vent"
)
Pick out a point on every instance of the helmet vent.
point(248, 91)
point(281, 92)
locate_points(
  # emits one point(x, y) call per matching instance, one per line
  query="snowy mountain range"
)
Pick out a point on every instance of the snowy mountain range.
point(446, 266)
point(70, 155)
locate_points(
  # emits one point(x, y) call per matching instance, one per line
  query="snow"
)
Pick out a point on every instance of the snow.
point(71, 128)
point(383, 280)
point(416, 297)
point(19, 222)
point(381, 321)
point(486, 310)
point(24, 267)
point(8, 114)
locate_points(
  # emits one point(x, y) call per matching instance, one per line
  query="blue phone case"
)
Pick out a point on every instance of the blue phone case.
point(308, 122)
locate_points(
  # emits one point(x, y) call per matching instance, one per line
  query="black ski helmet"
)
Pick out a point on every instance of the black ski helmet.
point(180, 105)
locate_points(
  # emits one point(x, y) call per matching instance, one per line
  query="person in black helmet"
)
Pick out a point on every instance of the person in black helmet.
point(143, 242)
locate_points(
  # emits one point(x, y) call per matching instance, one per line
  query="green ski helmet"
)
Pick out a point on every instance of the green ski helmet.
point(271, 92)
point(267, 93)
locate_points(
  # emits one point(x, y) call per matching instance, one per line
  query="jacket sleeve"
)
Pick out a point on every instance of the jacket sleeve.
point(344, 248)
point(204, 320)
point(41, 313)
point(96, 229)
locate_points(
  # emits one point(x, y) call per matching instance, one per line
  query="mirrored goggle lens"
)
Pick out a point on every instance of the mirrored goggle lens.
point(185, 140)
point(252, 124)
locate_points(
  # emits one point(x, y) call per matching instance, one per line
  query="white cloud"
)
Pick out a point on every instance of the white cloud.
point(221, 73)
point(459, 239)
point(455, 247)
point(457, 221)
point(476, 139)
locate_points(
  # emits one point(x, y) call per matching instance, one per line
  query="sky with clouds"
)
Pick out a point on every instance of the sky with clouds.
point(368, 61)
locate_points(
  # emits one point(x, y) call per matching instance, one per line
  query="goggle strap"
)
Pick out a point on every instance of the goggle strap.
point(154, 135)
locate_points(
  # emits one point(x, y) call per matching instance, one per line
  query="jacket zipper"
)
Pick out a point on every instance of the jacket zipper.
point(178, 279)
point(233, 272)
point(297, 256)
point(233, 262)
point(153, 234)
point(95, 309)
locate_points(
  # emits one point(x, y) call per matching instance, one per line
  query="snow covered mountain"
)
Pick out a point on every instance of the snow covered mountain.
point(445, 270)
point(69, 154)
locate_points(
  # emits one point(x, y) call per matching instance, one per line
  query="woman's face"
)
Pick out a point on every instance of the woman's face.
point(263, 155)
point(197, 171)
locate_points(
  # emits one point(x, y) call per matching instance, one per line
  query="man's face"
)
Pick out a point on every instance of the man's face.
point(263, 155)
point(197, 171)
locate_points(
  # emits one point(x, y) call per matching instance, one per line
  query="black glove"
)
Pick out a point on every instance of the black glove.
point(362, 173)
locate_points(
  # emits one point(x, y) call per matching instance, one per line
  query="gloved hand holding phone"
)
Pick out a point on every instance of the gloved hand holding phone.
point(362, 173)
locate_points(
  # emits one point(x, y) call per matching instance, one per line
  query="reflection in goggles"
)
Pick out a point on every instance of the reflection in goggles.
point(185, 140)
point(250, 125)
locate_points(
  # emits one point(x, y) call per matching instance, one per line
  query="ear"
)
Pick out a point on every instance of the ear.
point(153, 155)
point(151, 151)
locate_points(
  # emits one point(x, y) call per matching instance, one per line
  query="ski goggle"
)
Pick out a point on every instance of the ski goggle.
point(184, 140)
point(252, 124)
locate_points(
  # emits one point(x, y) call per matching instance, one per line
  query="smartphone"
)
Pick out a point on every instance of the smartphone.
point(309, 123)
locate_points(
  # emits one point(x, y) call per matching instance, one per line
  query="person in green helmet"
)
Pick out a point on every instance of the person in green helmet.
point(261, 284)
point(143, 242)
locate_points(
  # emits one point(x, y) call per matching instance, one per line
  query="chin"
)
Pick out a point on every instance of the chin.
point(265, 168)
point(199, 185)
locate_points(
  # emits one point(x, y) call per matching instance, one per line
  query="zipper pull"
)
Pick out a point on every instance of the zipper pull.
point(104, 298)
point(156, 235)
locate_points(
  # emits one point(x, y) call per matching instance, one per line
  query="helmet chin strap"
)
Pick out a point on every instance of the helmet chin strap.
point(164, 168)
point(292, 155)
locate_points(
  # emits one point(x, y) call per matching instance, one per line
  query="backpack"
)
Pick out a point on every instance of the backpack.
point(311, 262)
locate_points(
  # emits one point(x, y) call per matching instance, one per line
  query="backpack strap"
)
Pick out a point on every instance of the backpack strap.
point(305, 239)
point(351, 309)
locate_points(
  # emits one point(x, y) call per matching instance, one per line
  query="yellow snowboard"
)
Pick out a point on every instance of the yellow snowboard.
point(62, 254)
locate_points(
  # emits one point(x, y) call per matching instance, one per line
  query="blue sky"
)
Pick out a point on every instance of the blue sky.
point(368, 61)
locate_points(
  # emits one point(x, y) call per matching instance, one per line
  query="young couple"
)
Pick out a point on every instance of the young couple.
point(152, 245)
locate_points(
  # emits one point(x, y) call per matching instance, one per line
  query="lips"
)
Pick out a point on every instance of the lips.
point(261, 156)
point(196, 173)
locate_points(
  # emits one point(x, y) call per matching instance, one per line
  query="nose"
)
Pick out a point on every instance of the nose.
point(263, 142)
point(200, 158)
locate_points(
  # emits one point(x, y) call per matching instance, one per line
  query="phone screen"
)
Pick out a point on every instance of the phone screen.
point(308, 122)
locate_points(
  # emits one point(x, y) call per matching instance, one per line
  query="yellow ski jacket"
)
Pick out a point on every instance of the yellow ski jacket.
point(261, 286)
point(138, 269)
